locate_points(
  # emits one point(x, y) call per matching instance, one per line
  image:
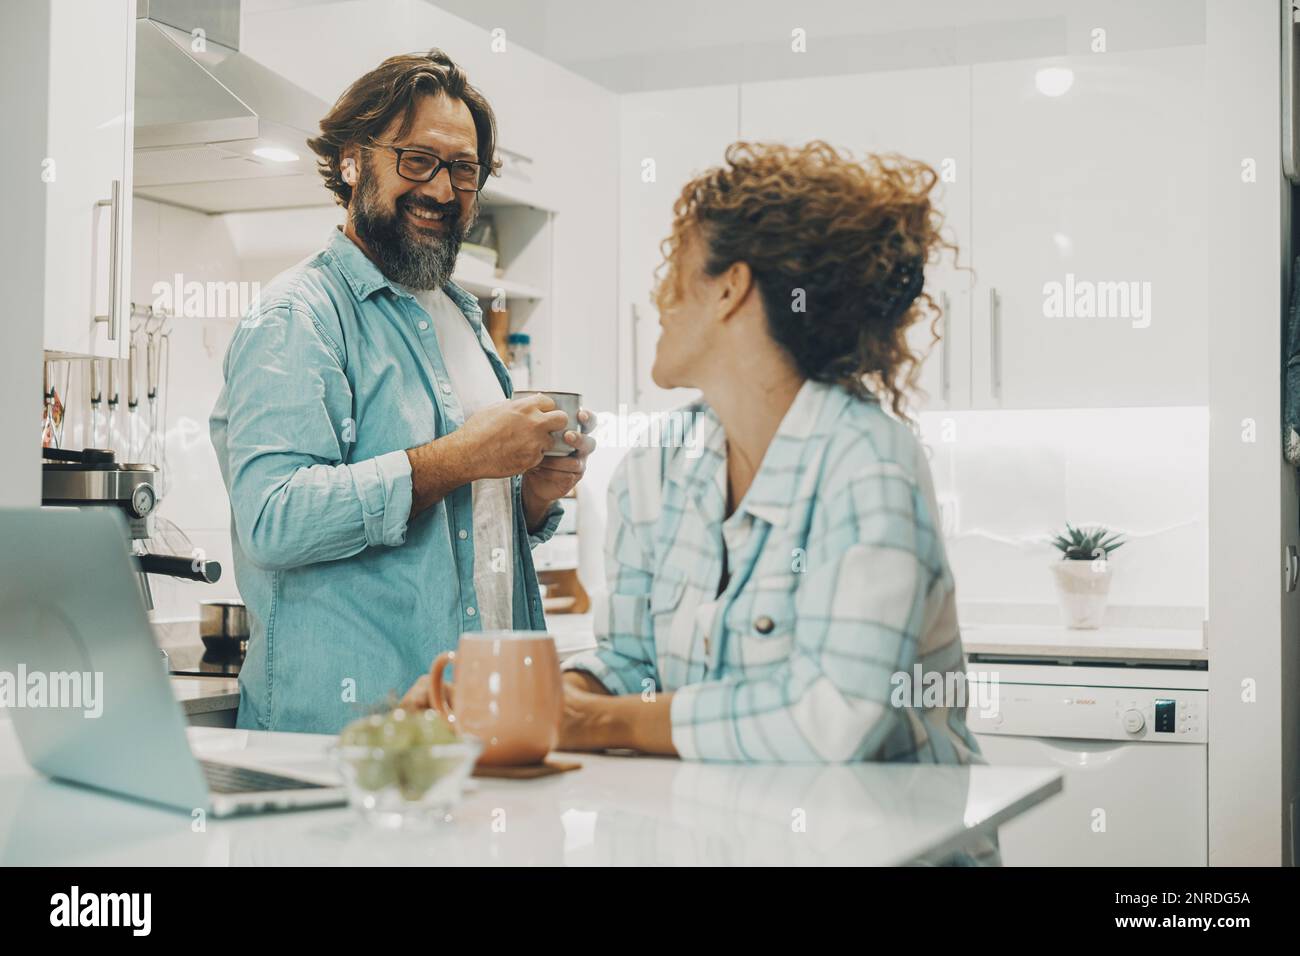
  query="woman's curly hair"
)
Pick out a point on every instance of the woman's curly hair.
point(837, 248)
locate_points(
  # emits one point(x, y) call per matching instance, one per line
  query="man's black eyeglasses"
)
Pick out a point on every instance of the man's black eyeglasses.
point(420, 166)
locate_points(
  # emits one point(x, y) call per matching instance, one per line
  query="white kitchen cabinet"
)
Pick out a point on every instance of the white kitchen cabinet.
point(666, 138)
point(922, 114)
point(1090, 243)
point(1126, 780)
point(86, 176)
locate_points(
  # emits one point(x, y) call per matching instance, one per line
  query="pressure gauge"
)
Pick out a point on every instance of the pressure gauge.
point(143, 499)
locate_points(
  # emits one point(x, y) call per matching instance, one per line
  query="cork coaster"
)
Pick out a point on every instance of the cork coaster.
point(528, 771)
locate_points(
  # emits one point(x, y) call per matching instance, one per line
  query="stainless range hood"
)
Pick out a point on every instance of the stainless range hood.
point(215, 130)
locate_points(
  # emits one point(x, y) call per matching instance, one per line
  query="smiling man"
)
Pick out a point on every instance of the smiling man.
point(385, 490)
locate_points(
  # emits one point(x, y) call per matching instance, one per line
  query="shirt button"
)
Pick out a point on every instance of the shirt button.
point(470, 611)
point(463, 534)
point(446, 389)
point(764, 624)
point(424, 326)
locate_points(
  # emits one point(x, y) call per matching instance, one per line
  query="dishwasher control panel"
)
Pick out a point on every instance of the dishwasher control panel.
point(1092, 713)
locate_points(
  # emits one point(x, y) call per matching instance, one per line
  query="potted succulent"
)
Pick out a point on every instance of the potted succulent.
point(1083, 573)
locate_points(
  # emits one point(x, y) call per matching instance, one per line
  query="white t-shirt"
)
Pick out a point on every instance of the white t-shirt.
point(476, 385)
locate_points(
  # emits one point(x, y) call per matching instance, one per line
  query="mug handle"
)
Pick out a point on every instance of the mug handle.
point(439, 691)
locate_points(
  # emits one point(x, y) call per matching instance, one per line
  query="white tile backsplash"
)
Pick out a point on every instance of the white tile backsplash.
point(1018, 476)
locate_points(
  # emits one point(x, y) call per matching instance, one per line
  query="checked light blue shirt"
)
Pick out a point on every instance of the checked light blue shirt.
point(329, 379)
point(838, 582)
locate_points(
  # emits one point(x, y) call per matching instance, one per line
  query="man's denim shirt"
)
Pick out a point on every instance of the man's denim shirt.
point(328, 380)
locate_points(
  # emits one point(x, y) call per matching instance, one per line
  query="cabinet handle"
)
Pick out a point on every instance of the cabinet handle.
point(114, 202)
point(636, 365)
point(945, 367)
point(995, 341)
point(1290, 135)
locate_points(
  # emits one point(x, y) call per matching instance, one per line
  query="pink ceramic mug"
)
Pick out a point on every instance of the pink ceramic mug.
point(507, 694)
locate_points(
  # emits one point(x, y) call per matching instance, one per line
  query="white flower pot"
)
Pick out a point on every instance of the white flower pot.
point(1082, 587)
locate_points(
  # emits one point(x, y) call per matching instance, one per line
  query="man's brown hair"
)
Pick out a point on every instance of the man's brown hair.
point(369, 105)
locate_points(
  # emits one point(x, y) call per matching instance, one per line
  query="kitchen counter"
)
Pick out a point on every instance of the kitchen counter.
point(206, 695)
point(1123, 645)
point(637, 811)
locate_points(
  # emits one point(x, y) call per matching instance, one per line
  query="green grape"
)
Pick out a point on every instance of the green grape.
point(434, 729)
point(375, 772)
point(399, 732)
point(362, 733)
point(419, 770)
point(398, 745)
point(374, 729)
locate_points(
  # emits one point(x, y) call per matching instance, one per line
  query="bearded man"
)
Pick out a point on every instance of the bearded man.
point(385, 490)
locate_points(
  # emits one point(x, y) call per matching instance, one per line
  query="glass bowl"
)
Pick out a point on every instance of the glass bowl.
point(407, 788)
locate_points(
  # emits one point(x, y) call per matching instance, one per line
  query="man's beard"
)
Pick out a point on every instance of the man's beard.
point(403, 254)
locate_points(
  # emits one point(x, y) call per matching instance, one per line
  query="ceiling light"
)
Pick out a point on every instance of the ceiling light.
point(275, 154)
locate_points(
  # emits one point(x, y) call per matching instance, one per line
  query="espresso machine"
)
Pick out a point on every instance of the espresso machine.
point(94, 478)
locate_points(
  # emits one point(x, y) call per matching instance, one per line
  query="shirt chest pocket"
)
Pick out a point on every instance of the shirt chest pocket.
point(666, 594)
point(760, 623)
point(672, 620)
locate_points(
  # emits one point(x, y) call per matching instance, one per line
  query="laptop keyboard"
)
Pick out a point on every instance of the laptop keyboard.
point(223, 778)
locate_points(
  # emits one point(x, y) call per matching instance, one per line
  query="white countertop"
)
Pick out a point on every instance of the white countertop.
point(203, 695)
point(1106, 643)
point(613, 811)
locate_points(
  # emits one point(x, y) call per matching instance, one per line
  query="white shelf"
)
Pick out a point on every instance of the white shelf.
point(487, 286)
point(560, 553)
point(504, 191)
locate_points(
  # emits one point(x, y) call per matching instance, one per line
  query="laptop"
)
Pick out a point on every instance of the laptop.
point(88, 692)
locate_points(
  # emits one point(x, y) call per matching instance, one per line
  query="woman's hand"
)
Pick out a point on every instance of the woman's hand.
point(590, 720)
point(594, 719)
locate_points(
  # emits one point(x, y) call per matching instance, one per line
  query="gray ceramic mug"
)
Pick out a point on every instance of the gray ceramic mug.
point(567, 402)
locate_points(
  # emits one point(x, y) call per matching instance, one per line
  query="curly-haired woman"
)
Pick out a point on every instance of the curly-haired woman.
point(775, 595)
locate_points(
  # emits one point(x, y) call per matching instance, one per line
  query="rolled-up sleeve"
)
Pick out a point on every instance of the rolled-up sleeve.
point(624, 657)
point(384, 487)
point(859, 610)
point(547, 530)
point(281, 429)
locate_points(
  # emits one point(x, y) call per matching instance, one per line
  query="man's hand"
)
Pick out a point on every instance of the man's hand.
point(417, 698)
point(498, 441)
point(509, 437)
point(555, 477)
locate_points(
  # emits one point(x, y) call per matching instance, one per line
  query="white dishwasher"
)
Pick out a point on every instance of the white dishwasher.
point(1132, 742)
